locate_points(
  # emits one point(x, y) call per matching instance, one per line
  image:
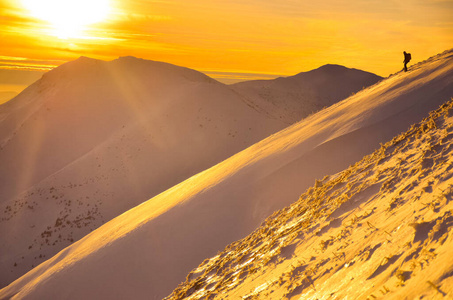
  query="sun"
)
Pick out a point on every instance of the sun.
point(68, 18)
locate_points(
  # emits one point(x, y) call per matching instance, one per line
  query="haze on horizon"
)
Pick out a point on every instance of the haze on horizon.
point(228, 40)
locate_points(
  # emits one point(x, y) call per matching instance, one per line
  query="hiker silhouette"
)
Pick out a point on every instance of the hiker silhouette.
point(407, 59)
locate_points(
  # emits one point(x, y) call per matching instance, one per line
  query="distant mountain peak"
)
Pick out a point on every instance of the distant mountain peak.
point(133, 59)
point(294, 97)
point(128, 66)
point(83, 58)
point(127, 57)
point(334, 69)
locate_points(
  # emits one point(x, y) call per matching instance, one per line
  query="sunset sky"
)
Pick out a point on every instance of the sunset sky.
point(226, 39)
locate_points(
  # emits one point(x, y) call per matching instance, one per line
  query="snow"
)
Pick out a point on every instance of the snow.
point(145, 252)
point(92, 139)
point(289, 98)
point(380, 228)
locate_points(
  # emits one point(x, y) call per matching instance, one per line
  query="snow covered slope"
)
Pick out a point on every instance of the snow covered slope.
point(93, 139)
point(145, 252)
point(381, 228)
point(292, 98)
point(83, 104)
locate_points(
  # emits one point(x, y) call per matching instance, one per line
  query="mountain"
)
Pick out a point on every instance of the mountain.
point(92, 139)
point(145, 252)
point(292, 98)
point(380, 228)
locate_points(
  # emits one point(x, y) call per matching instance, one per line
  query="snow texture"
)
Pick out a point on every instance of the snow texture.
point(381, 228)
point(92, 139)
point(145, 252)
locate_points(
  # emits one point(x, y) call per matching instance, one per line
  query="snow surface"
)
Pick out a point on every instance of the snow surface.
point(290, 98)
point(93, 139)
point(380, 229)
point(145, 252)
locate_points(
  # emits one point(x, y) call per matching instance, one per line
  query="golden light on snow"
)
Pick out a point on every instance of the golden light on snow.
point(380, 228)
point(68, 18)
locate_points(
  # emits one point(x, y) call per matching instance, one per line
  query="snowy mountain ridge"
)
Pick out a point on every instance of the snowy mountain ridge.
point(94, 138)
point(293, 97)
point(145, 252)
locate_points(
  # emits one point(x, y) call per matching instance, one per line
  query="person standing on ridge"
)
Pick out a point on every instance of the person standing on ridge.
point(407, 59)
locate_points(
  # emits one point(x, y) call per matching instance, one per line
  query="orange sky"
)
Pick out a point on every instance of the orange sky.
point(225, 37)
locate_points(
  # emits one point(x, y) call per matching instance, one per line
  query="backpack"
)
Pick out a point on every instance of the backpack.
point(408, 57)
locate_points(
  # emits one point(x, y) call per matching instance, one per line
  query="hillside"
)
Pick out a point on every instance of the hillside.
point(145, 252)
point(381, 228)
point(93, 139)
point(292, 98)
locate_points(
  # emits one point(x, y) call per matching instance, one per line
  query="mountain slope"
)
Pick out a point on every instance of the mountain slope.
point(147, 251)
point(93, 139)
point(292, 98)
point(383, 227)
point(76, 107)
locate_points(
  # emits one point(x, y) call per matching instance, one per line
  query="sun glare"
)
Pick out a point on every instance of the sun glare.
point(69, 18)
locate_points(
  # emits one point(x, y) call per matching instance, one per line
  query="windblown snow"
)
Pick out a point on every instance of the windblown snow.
point(145, 252)
point(381, 228)
point(92, 139)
